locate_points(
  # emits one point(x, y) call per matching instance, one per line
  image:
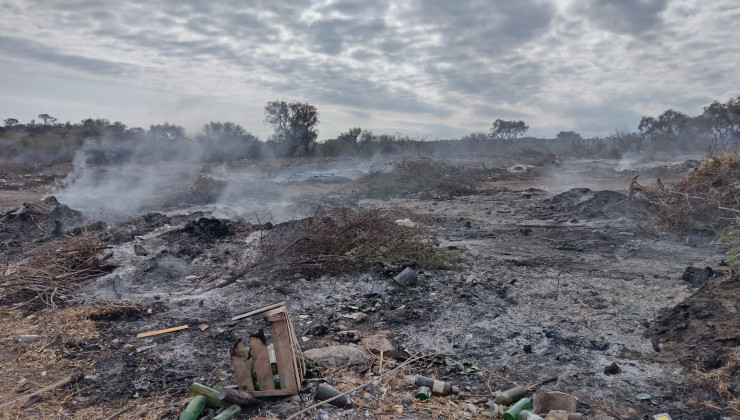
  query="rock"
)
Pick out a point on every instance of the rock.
point(116, 343)
point(612, 369)
point(407, 400)
point(338, 356)
point(407, 277)
point(140, 251)
point(406, 223)
point(562, 357)
point(377, 342)
point(695, 275)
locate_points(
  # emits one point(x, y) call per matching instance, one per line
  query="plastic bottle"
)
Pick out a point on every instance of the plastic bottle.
point(509, 396)
point(513, 412)
point(437, 386)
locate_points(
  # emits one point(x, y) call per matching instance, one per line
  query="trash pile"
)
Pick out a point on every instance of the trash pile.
point(377, 381)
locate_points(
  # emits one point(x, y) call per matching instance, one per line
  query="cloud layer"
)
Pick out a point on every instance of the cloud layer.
point(432, 67)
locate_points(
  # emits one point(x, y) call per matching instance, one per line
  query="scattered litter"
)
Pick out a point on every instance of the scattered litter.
point(437, 386)
point(528, 415)
point(145, 348)
point(662, 416)
point(326, 392)
point(406, 277)
point(28, 337)
point(424, 393)
point(232, 412)
point(546, 401)
point(203, 327)
point(513, 412)
point(405, 222)
point(643, 397)
point(158, 332)
point(509, 396)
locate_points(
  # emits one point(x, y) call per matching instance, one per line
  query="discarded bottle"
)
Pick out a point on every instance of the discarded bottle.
point(528, 415)
point(233, 411)
point(194, 408)
point(513, 412)
point(437, 386)
point(326, 391)
point(509, 396)
point(424, 393)
point(210, 394)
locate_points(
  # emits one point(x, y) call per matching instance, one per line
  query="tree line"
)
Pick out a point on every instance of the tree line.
point(295, 133)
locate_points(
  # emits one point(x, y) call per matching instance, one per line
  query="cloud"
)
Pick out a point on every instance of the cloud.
point(460, 64)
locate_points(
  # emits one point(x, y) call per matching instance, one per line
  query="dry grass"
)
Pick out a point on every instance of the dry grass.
point(426, 177)
point(347, 239)
point(51, 270)
point(719, 382)
point(63, 345)
point(706, 199)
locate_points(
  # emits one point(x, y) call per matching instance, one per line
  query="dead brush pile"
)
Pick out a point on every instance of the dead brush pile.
point(706, 199)
point(347, 239)
point(50, 271)
point(423, 178)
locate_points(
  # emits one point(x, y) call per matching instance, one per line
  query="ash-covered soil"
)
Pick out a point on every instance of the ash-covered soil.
point(548, 285)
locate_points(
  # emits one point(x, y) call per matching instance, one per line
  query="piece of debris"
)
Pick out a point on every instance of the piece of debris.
point(437, 386)
point(326, 392)
point(546, 401)
point(67, 380)
point(28, 337)
point(407, 400)
point(662, 416)
point(509, 396)
point(33, 399)
point(194, 408)
point(643, 397)
point(145, 348)
point(612, 369)
point(423, 393)
point(234, 396)
point(406, 277)
point(528, 415)
point(513, 412)
point(284, 352)
point(405, 222)
point(231, 412)
point(203, 327)
point(158, 332)
point(140, 251)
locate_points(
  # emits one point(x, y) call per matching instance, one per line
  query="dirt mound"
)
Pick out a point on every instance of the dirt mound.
point(583, 203)
point(702, 334)
point(36, 222)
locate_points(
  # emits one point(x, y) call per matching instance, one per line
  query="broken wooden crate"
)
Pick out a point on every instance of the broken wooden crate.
point(288, 357)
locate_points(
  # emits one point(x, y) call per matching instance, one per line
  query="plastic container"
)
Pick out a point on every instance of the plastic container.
point(513, 412)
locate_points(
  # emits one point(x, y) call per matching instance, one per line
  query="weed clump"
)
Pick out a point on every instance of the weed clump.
point(421, 178)
point(347, 239)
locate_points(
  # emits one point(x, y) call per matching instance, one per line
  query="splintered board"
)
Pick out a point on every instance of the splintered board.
point(288, 357)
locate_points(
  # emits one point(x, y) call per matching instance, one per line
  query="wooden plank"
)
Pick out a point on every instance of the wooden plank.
point(258, 311)
point(242, 366)
point(274, 393)
point(164, 331)
point(262, 364)
point(283, 353)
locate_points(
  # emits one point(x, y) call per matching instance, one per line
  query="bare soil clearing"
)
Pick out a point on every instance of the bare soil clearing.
point(559, 275)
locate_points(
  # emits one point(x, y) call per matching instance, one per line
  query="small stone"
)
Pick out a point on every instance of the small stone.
point(612, 369)
point(116, 344)
point(407, 400)
point(562, 357)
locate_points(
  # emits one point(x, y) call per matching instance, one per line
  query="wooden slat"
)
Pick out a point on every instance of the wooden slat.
point(283, 352)
point(258, 311)
point(242, 367)
point(273, 393)
point(299, 370)
point(164, 331)
point(262, 364)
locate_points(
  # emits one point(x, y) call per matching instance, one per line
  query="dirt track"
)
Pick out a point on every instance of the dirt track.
point(550, 284)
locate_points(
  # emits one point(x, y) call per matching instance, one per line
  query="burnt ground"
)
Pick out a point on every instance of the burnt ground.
point(550, 283)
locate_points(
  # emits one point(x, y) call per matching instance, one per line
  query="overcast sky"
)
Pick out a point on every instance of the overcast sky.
point(437, 69)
